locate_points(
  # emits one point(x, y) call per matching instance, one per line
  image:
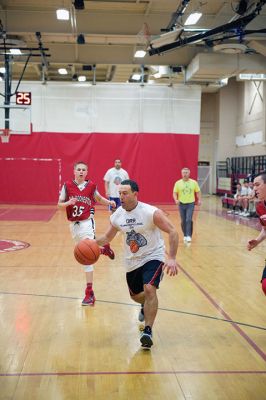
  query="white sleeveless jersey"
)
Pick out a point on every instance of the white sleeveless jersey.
point(143, 240)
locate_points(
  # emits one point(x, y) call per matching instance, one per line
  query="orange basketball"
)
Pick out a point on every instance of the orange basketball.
point(87, 252)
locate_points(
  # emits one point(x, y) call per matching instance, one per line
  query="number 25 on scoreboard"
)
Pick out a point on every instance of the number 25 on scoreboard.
point(23, 98)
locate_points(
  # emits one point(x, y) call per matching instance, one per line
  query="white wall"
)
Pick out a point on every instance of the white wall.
point(236, 110)
point(209, 133)
point(113, 108)
point(208, 127)
point(250, 132)
point(227, 121)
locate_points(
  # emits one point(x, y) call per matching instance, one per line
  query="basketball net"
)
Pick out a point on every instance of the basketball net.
point(5, 135)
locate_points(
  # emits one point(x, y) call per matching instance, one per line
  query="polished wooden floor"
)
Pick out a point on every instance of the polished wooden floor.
point(209, 336)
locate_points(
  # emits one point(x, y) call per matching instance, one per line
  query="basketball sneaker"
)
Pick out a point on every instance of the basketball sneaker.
point(107, 251)
point(141, 313)
point(89, 298)
point(146, 338)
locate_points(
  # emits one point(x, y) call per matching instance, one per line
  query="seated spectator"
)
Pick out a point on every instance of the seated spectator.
point(251, 197)
point(236, 201)
point(244, 199)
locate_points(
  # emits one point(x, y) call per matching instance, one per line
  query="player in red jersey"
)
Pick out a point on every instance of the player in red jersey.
point(260, 190)
point(78, 197)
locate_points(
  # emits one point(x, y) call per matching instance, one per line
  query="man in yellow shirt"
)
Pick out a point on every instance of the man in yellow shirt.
point(186, 192)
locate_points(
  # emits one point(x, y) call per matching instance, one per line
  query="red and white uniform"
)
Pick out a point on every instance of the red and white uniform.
point(84, 193)
point(82, 226)
point(261, 210)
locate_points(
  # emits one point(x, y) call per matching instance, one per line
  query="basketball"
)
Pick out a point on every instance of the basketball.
point(87, 252)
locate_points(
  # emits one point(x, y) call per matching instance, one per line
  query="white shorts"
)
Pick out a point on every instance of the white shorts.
point(82, 229)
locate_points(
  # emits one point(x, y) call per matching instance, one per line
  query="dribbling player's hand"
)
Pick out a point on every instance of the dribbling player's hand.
point(170, 266)
point(251, 244)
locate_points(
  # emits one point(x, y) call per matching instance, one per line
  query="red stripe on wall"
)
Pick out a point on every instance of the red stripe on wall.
point(154, 160)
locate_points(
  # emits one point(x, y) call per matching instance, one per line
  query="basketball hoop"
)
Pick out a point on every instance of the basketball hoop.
point(5, 135)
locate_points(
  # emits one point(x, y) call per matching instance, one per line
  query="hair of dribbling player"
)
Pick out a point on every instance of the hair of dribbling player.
point(133, 185)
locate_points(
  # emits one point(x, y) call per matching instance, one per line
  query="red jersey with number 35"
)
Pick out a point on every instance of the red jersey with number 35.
point(85, 200)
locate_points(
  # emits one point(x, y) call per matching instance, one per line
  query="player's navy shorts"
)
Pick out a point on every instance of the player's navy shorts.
point(117, 202)
point(263, 274)
point(149, 273)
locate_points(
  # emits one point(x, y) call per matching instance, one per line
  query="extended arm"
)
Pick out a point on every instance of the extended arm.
point(106, 187)
point(175, 197)
point(103, 200)
point(198, 194)
point(163, 223)
point(107, 236)
point(255, 242)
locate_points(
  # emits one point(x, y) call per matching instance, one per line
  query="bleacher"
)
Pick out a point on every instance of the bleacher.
point(235, 170)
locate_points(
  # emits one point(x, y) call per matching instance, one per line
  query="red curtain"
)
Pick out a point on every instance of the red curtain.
point(33, 166)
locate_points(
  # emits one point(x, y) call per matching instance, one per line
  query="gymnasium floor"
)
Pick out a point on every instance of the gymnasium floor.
point(209, 335)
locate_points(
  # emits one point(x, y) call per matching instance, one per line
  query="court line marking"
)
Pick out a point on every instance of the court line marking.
point(227, 316)
point(137, 306)
point(94, 373)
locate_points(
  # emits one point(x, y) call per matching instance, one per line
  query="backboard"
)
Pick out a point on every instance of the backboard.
point(19, 117)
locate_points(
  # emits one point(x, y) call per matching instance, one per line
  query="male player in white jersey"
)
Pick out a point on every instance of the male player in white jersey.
point(141, 225)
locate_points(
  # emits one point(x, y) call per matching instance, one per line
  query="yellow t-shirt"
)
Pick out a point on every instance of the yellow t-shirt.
point(186, 190)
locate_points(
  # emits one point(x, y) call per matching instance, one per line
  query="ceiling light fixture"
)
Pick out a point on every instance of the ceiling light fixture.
point(251, 77)
point(136, 77)
point(15, 51)
point(193, 18)
point(224, 81)
point(62, 71)
point(230, 48)
point(196, 30)
point(62, 14)
point(140, 54)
